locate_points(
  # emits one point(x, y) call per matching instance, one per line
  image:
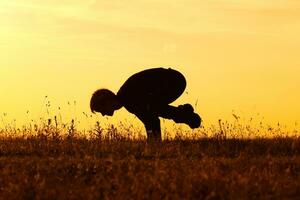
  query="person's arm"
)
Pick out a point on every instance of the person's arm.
point(152, 125)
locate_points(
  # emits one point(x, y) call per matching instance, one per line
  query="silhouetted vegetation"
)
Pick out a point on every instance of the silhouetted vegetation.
point(51, 161)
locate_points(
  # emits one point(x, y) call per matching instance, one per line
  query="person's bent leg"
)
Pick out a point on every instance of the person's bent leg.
point(181, 114)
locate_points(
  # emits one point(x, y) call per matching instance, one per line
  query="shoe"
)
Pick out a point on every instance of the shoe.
point(189, 117)
point(195, 121)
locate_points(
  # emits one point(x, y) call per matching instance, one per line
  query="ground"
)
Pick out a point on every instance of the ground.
point(53, 167)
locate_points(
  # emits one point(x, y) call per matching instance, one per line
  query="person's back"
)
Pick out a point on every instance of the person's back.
point(147, 94)
point(151, 88)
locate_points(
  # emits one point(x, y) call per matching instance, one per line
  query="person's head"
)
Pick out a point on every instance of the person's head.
point(105, 102)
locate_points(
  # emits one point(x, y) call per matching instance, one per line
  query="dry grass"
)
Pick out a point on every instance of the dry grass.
point(58, 162)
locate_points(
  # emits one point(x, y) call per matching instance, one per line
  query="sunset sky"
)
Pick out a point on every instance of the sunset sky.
point(238, 56)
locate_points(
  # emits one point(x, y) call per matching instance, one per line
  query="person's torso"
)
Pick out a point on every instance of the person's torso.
point(151, 88)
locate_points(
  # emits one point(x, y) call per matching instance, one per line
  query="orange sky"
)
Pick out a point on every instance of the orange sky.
point(238, 56)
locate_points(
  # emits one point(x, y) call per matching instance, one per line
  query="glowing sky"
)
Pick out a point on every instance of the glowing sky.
point(241, 55)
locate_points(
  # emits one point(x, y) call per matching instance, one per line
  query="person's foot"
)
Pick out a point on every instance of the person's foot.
point(186, 108)
point(195, 121)
point(192, 119)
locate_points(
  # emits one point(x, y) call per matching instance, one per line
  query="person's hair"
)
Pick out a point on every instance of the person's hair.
point(102, 98)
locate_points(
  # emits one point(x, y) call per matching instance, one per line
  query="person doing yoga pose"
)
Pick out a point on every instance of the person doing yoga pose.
point(148, 94)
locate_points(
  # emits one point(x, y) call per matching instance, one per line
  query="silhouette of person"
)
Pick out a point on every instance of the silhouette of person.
point(147, 94)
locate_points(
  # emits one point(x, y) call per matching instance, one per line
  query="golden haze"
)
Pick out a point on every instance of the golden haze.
point(236, 55)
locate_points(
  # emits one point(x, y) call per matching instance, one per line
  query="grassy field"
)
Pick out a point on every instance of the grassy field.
point(53, 163)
